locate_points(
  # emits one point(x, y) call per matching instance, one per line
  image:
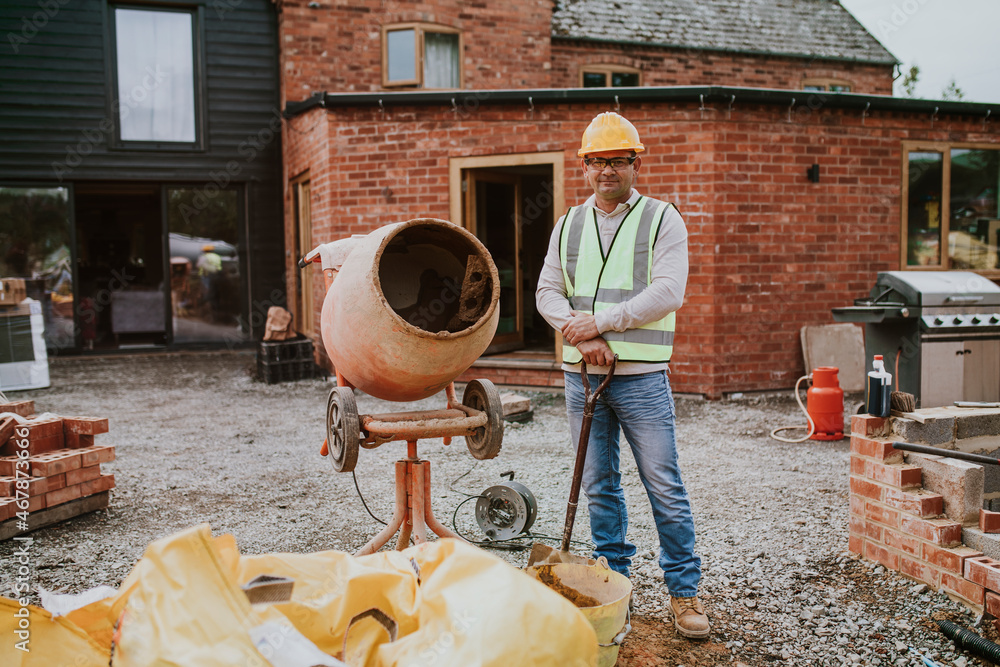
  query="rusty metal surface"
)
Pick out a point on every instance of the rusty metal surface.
point(377, 430)
point(378, 350)
point(418, 415)
point(412, 516)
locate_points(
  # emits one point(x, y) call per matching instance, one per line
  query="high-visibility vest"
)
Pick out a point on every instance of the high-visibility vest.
point(595, 282)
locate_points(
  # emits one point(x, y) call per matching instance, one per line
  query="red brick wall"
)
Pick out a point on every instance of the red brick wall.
point(338, 46)
point(306, 145)
point(770, 251)
point(690, 67)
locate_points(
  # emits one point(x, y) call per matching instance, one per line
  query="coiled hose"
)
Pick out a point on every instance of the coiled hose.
point(812, 424)
point(970, 641)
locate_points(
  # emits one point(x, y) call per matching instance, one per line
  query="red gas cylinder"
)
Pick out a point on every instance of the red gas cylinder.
point(825, 404)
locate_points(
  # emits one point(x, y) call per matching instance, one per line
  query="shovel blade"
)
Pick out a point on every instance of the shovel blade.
point(542, 553)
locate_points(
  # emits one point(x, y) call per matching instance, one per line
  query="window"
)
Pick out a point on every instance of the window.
point(951, 215)
point(827, 85)
point(206, 288)
point(36, 241)
point(603, 76)
point(424, 56)
point(155, 66)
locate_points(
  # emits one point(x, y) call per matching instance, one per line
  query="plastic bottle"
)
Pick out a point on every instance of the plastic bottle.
point(879, 389)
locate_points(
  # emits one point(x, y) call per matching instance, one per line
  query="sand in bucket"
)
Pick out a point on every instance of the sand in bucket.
point(600, 593)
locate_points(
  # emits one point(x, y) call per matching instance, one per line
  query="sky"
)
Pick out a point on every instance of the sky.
point(945, 38)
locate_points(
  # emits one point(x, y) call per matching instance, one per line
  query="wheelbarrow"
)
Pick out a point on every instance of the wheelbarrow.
point(408, 308)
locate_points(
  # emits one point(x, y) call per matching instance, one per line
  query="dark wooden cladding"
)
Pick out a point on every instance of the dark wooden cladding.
point(55, 93)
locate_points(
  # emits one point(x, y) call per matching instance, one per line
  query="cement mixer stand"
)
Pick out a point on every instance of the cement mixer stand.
point(478, 417)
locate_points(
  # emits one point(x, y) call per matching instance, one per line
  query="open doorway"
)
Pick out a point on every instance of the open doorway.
point(511, 209)
point(119, 233)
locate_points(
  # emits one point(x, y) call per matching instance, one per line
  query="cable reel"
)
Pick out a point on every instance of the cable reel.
point(506, 510)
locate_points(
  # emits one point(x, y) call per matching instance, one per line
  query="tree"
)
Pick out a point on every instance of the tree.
point(952, 91)
point(910, 81)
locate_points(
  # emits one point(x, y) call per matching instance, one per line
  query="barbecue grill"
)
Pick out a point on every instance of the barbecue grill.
point(944, 326)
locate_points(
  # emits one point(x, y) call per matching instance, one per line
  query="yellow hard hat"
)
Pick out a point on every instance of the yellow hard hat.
point(610, 132)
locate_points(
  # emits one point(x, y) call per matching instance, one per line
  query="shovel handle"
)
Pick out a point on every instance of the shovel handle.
point(589, 404)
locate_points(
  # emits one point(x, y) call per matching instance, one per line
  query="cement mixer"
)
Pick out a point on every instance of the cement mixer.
point(408, 308)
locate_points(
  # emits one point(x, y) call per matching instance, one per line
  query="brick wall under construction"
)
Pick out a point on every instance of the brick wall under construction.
point(922, 515)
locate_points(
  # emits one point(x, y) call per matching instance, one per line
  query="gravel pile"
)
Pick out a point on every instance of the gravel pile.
point(198, 440)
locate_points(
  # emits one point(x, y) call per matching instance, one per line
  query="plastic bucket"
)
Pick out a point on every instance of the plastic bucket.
point(600, 593)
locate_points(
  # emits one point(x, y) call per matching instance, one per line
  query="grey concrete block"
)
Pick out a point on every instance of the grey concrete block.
point(976, 539)
point(979, 422)
point(934, 430)
point(991, 482)
point(960, 484)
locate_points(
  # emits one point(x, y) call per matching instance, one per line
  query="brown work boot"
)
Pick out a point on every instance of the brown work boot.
point(689, 617)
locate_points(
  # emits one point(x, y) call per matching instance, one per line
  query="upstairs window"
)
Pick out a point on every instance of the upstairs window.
point(608, 76)
point(155, 69)
point(827, 85)
point(421, 56)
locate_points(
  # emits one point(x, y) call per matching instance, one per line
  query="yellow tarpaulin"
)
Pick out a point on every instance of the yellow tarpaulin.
point(438, 604)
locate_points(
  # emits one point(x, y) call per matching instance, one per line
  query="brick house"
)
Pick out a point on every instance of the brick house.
point(471, 112)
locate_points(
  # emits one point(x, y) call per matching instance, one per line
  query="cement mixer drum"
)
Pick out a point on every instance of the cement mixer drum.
point(412, 307)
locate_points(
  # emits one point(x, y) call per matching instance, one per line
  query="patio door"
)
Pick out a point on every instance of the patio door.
point(492, 215)
point(207, 265)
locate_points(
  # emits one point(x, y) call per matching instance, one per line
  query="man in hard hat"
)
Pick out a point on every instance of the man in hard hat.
point(210, 270)
point(612, 280)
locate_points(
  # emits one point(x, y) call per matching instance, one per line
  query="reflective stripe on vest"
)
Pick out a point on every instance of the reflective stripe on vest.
point(595, 282)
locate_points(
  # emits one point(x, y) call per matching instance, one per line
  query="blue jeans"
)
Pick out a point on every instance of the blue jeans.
point(643, 407)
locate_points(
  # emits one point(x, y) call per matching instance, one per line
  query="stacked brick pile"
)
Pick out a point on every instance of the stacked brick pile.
point(64, 463)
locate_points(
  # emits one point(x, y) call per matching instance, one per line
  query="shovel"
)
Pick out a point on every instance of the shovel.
point(542, 553)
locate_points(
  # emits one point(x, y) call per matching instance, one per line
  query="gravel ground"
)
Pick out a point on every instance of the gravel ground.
point(198, 440)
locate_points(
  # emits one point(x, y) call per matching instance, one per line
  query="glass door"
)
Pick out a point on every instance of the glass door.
point(205, 257)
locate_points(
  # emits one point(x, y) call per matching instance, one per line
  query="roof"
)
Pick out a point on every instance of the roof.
point(801, 28)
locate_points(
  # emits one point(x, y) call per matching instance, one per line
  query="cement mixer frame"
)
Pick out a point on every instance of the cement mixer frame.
point(478, 416)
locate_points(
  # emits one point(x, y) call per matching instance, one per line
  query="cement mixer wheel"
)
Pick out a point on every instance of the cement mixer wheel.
point(343, 429)
point(485, 442)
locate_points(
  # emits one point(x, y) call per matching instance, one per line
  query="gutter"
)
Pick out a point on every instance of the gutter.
point(469, 100)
